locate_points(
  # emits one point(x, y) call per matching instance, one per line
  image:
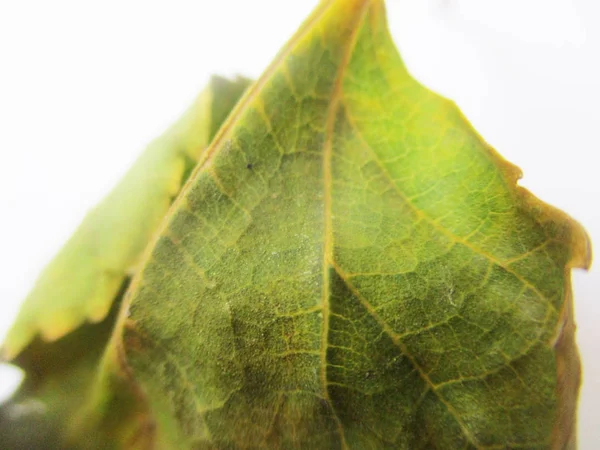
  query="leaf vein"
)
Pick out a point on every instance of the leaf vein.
point(436, 224)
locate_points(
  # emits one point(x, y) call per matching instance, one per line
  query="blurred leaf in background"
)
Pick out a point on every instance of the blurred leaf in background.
point(91, 274)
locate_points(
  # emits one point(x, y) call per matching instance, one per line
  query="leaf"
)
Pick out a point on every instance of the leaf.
point(82, 281)
point(351, 266)
point(58, 377)
point(61, 376)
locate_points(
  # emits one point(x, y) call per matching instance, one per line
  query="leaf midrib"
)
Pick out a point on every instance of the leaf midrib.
point(334, 108)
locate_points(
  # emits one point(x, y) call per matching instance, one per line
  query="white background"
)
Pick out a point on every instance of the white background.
point(85, 85)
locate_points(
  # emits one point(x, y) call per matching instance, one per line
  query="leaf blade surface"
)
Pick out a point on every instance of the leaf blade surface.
point(351, 266)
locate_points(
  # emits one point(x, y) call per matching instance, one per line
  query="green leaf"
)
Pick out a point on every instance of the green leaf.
point(82, 281)
point(58, 378)
point(351, 266)
point(61, 376)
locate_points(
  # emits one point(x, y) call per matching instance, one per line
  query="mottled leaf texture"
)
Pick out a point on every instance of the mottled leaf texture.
point(61, 374)
point(349, 266)
point(82, 281)
point(352, 267)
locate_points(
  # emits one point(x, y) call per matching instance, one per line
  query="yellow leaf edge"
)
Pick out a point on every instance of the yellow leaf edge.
point(568, 362)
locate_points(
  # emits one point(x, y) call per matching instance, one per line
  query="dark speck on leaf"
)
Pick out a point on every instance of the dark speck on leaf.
point(249, 166)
